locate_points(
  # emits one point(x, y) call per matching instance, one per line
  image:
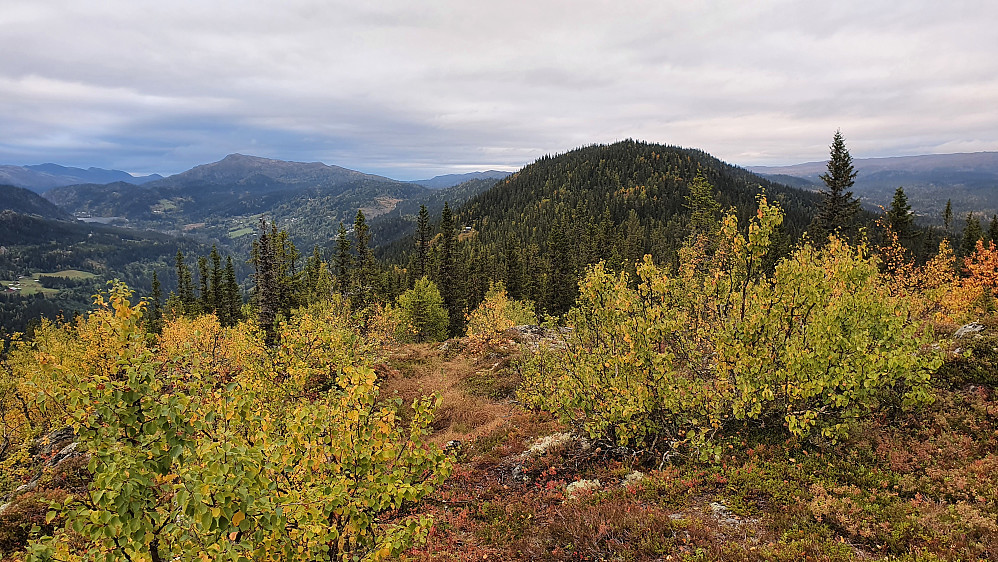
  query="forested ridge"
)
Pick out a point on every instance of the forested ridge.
point(625, 352)
point(539, 228)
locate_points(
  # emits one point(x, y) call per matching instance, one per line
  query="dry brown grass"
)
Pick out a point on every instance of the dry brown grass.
point(423, 369)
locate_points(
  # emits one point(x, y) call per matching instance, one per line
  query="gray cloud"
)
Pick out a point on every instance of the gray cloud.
point(412, 89)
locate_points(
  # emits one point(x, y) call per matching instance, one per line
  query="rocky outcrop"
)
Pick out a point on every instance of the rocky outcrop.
point(61, 466)
point(969, 329)
point(61, 470)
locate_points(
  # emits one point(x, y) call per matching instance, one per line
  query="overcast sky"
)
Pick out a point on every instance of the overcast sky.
point(412, 89)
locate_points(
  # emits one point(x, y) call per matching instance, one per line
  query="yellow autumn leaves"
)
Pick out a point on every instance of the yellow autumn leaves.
point(204, 442)
point(679, 356)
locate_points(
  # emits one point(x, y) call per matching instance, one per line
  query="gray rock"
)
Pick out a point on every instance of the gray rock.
point(633, 478)
point(968, 329)
point(726, 517)
point(56, 447)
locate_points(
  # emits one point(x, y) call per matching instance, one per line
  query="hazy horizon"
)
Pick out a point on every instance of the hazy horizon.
point(412, 91)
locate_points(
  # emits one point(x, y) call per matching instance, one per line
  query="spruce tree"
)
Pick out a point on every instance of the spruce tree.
point(266, 293)
point(364, 278)
point(899, 215)
point(562, 284)
point(948, 217)
point(993, 229)
point(446, 275)
point(215, 281)
point(205, 300)
point(839, 209)
point(422, 241)
point(154, 321)
point(343, 261)
point(233, 297)
point(286, 275)
point(972, 232)
point(185, 285)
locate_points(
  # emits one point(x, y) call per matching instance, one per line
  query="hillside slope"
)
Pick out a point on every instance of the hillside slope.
point(538, 229)
point(612, 182)
point(24, 201)
point(612, 203)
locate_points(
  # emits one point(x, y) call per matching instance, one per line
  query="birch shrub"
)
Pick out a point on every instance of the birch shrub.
point(213, 446)
point(812, 345)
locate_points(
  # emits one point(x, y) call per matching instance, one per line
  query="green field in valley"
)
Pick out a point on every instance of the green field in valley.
point(29, 285)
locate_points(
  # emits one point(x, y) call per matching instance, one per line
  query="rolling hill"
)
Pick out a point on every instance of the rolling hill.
point(24, 201)
point(537, 229)
point(609, 186)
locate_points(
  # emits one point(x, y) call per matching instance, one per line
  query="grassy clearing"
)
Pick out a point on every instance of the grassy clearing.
point(70, 274)
point(421, 369)
point(165, 206)
point(242, 226)
point(236, 233)
point(29, 285)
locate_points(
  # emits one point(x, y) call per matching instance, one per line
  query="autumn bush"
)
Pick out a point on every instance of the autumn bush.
point(208, 443)
point(496, 314)
point(973, 295)
point(813, 345)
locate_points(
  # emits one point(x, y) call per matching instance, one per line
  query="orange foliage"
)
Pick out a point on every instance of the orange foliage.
point(929, 288)
point(975, 292)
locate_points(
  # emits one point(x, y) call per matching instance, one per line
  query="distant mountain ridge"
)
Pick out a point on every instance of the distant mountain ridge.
point(970, 180)
point(224, 200)
point(986, 162)
point(255, 172)
point(450, 180)
point(42, 177)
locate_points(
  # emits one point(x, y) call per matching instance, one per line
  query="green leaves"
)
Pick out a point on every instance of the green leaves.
point(213, 445)
point(815, 344)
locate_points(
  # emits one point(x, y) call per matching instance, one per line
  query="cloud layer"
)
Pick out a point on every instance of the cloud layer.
point(413, 89)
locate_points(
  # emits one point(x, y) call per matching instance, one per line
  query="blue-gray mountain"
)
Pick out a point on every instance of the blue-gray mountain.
point(970, 180)
point(450, 180)
point(42, 177)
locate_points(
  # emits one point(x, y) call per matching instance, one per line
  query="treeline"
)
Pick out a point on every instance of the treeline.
point(217, 292)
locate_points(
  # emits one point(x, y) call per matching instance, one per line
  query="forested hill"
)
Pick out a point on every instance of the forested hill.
point(24, 201)
point(615, 203)
point(614, 181)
